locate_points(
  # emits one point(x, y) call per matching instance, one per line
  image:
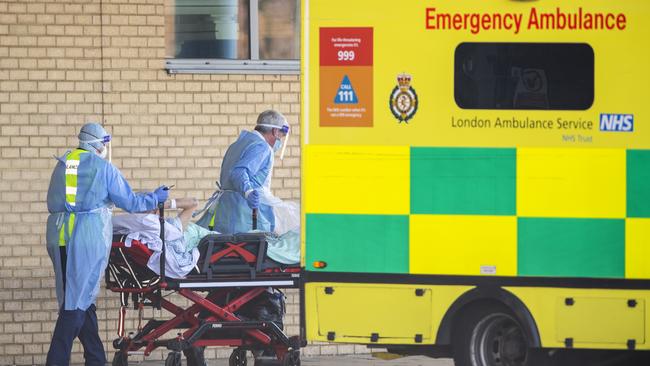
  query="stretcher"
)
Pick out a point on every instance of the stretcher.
point(232, 272)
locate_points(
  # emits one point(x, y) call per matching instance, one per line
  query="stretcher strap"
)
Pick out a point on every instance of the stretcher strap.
point(135, 278)
point(151, 282)
point(283, 303)
point(120, 321)
point(140, 315)
point(124, 297)
point(206, 262)
point(113, 272)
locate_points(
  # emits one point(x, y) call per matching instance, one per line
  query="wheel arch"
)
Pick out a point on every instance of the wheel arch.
point(493, 294)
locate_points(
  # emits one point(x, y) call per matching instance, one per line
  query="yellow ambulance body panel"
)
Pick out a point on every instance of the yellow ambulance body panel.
point(465, 161)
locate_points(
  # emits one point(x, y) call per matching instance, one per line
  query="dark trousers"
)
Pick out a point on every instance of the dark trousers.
point(70, 325)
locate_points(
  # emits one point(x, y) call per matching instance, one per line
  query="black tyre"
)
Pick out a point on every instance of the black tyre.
point(266, 357)
point(267, 361)
point(120, 359)
point(237, 358)
point(490, 335)
point(195, 356)
point(291, 358)
point(173, 359)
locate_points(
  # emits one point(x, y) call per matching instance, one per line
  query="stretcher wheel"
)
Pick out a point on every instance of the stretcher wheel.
point(195, 356)
point(120, 359)
point(291, 358)
point(237, 358)
point(173, 359)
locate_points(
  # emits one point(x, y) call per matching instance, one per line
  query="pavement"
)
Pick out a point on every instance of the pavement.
point(572, 358)
point(350, 360)
point(366, 360)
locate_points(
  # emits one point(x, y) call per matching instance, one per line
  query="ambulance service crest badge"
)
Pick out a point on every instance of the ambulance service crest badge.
point(403, 99)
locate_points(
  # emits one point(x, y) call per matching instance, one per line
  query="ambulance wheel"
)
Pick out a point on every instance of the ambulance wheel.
point(120, 359)
point(490, 335)
point(173, 359)
point(291, 358)
point(237, 358)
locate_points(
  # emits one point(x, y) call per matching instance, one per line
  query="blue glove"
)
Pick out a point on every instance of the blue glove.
point(253, 199)
point(162, 193)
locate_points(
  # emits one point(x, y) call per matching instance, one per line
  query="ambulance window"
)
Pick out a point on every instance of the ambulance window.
point(554, 76)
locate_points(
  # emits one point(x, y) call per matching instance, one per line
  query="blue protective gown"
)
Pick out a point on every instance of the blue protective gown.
point(248, 164)
point(99, 184)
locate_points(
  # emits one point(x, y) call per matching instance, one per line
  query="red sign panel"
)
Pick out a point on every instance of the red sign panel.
point(346, 46)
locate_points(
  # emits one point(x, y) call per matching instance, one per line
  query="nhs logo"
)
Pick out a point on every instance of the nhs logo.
point(617, 122)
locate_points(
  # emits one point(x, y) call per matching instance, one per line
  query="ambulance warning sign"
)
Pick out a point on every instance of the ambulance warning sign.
point(346, 94)
point(346, 79)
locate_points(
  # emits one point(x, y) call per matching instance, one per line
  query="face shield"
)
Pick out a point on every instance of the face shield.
point(284, 129)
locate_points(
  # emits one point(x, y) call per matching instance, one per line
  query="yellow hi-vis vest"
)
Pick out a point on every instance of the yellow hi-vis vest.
point(71, 168)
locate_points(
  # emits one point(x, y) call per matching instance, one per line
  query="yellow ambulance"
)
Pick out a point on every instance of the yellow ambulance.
point(476, 176)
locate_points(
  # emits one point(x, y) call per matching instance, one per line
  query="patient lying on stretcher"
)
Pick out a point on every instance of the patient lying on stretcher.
point(182, 238)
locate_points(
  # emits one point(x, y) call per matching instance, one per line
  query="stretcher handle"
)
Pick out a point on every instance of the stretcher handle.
point(161, 218)
point(254, 219)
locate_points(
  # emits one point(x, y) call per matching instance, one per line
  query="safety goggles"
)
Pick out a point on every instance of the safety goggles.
point(284, 128)
point(104, 140)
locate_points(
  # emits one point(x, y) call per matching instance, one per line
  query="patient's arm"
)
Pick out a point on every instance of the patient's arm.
point(187, 205)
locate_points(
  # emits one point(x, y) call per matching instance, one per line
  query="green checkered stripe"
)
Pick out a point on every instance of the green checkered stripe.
point(481, 181)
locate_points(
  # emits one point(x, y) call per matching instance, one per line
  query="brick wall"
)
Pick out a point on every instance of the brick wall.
point(63, 63)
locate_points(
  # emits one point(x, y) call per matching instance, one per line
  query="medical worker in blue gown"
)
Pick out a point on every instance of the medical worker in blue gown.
point(82, 189)
point(246, 173)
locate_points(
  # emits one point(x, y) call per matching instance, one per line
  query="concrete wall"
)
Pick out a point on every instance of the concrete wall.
point(63, 63)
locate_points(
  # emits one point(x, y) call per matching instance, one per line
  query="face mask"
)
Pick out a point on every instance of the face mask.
point(277, 145)
point(104, 153)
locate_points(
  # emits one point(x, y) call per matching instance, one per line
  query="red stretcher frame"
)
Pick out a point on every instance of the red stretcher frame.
point(128, 275)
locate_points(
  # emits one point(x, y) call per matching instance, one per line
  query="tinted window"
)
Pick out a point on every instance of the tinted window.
point(208, 29)
point(279, 29)
point(557, 76)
